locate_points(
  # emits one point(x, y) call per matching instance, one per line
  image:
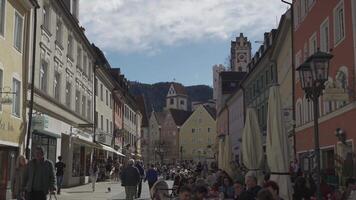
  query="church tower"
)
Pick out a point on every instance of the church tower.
point(177, 97)
point(240, 54)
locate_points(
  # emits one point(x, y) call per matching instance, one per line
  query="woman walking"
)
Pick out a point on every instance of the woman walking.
point(94, 172)
point(17, 182)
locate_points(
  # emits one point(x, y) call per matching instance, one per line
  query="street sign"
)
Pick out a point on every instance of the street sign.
point(335, 94)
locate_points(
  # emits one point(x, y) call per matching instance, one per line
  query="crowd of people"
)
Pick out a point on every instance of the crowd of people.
point(36, 179)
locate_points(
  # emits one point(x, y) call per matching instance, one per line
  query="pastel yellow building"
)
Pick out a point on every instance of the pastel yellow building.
point(197, 135)
point(15, 20)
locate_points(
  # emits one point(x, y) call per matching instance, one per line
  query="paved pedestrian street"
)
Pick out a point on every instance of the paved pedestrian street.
point(84, 192)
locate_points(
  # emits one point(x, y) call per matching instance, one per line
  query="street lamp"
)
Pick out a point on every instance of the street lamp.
point(313, 74)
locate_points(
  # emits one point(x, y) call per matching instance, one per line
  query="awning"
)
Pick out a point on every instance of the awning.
point(43, 132)
point(87, 143)
point(107, 148)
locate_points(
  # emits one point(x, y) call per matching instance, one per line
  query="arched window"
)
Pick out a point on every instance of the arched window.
point(299, 112)
point(341, 80)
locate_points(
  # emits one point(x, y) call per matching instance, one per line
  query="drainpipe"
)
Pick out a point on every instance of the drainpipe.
point(293, 75)
point(36, 6)
point(94, 101)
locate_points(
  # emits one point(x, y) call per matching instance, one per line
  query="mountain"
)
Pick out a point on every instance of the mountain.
point(155, 94)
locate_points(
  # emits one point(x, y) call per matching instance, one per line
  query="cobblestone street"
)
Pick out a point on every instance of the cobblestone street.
point(84, 192)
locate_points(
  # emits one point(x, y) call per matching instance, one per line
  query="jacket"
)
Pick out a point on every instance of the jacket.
point(130, 176)
point(47, 176)
point(151, 176)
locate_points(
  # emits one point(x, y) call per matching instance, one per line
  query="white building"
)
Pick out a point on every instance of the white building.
point(63, 99)
point(177, 97)
point(216, 71)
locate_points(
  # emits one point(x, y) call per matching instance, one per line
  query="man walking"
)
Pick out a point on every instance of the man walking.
point(130, 178)
point(142, 176)
point(151, 176)
point(94, 172)
point(39, 177)
point(59, 173)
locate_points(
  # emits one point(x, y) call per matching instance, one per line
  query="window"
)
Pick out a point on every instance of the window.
point(44, 76)
point(18, 32)
point(1, 85)
point(46, 17)
point(208, 130)
point(90, 70)
point(68, 93)
point(101, 122)
point(77, 101)
point(107, 97)
point(85, 67)
point(2, 17)
point(339, 23)
point(70, 47)
point(89, 110)
point(313, 46)
point(182, 102)
point(84, 100)
point(79, 57)
point(110, 101)
point(324, 36)
point(16, 87)
point(59, 32)
point(193, 130)
point(101, 92)
point(107, 125)
point(57, 85)
point(172, 101)
point(110, 127)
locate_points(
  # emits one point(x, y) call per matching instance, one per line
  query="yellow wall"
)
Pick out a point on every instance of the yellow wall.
point(11, 62)
point(200, 121)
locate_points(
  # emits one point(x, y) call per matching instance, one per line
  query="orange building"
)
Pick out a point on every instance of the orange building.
point(330, 27)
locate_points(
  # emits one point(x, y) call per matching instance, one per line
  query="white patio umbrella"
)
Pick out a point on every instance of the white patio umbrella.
point(252, 149)
point(277, 145)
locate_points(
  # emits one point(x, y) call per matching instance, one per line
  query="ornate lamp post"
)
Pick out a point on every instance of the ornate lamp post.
point(313, 74)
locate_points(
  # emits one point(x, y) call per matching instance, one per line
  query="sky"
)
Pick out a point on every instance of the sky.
point(174, 40)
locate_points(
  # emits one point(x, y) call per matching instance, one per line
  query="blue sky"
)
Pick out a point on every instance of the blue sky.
point(165, 40)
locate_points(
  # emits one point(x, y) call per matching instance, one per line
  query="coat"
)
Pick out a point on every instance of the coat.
point(130, 176)
point(47, 176)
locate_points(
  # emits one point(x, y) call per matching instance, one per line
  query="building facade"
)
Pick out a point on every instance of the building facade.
point(327, 26)
point(63, 96)
point(177, 97)
point(216, 79)
point(132, 128)
point(240, 54)
point(15, 42)
point(197, 135)
point(155, 142)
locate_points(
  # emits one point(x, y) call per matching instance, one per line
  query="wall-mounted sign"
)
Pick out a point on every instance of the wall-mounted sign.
point(335, 94)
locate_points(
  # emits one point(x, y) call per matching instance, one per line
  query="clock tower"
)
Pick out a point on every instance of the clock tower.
point(240, 54)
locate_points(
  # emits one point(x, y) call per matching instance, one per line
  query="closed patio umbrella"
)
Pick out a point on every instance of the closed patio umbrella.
point(252, 149)
point(277, 145)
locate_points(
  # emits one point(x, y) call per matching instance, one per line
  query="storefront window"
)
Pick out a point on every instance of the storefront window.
point(76, 162)
point(87, 161)
point(49, 145)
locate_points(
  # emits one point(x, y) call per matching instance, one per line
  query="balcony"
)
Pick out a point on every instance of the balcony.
point(103, 137)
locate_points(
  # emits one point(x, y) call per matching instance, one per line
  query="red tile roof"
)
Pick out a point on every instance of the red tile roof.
point(180, 89)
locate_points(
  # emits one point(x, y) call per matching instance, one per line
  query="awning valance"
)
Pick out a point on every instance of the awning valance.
point(110, 149)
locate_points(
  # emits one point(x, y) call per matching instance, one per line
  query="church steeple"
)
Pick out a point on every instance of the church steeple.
point(177, 97)
point(240, 54)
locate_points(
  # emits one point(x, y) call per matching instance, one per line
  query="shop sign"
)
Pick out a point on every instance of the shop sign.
point(335, 94)
point(40, 122)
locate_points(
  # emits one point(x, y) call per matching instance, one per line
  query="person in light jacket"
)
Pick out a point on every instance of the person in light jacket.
point(17, 180)
point(39, 177)
point(94, 172)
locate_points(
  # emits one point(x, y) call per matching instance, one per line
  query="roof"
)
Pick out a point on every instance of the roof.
point(231, 81)
point(160, 116)
point(211, 111)
point(179, 116)
point(179, 88)
point(140, 101)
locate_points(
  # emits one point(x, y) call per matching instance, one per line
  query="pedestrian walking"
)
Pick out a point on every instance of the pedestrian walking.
point(17, 180)
point(130, 178)
point(59, 173)
point(139, 166)
point(94, 172)
point(39, 177)
point(151, 176)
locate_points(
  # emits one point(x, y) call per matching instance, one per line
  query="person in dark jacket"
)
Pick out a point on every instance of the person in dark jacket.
point(151, 176)
point(39, 177)
point(301, 191)
point(130, 177)
point(139, 166)
point(251, 189)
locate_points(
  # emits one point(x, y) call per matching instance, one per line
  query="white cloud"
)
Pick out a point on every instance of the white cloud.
point(146, 25)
